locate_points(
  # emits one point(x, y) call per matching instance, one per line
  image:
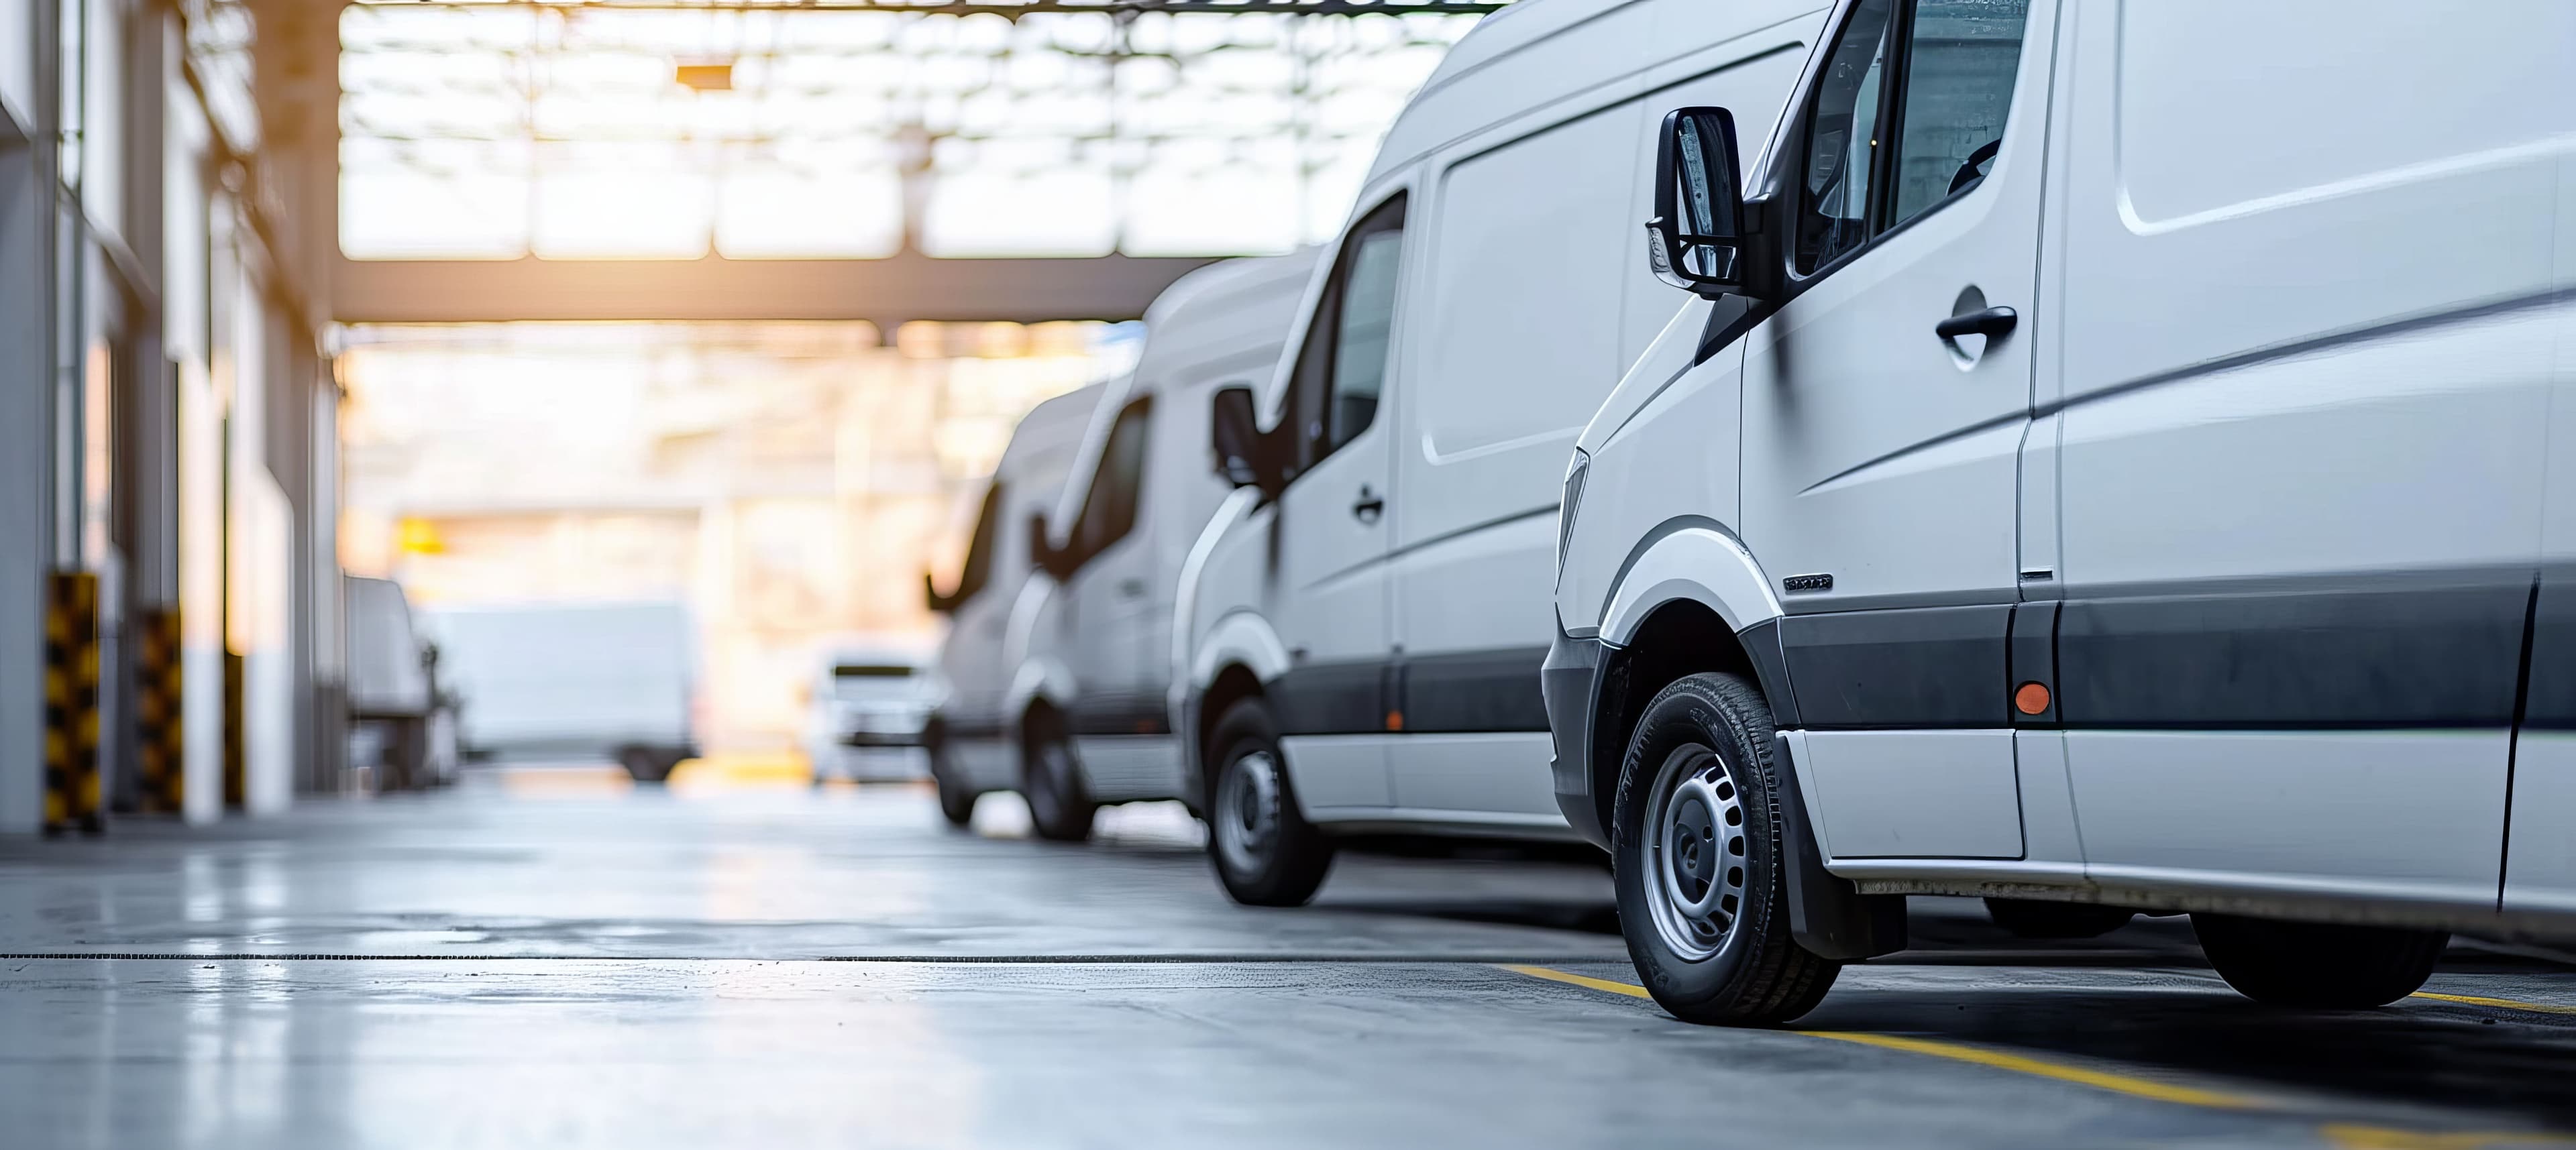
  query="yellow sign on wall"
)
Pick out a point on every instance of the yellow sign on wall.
point(418, 537)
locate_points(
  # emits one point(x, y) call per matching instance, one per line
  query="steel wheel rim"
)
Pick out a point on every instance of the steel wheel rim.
point(1246, 812)
point(1695, 854)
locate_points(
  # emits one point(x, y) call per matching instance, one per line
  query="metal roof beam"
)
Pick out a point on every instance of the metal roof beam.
point(1034, 7)
point(886, 291)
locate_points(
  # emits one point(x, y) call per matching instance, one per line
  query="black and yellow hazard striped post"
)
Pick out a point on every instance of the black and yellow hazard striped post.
point(71, 704)
point(236, 749)
point(159, 742)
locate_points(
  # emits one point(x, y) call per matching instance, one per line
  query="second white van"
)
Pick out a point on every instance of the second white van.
point(1366, 619)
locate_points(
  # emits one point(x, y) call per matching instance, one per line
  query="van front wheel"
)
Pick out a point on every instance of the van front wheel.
point(1266, 853)
point(1059, 807)
point(650, 765)
point(1700, 865)
point(2318, 966)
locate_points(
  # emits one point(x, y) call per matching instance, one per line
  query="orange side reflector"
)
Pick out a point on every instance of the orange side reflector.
point(2031, 699)
point(1395, 720)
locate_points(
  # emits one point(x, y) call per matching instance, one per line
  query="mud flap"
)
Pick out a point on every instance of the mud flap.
point(1827, 915)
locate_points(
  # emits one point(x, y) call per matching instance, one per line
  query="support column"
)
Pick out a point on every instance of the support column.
point(298, 88)
point(27, 308)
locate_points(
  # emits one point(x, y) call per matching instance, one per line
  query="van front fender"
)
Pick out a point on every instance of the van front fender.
point(1039, 679)
point(1694, 559)
point(1243, 638)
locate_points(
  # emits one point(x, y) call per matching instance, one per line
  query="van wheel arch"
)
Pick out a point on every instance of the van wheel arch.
point(1827, 915)
point(1679, 639)
point(1232, 685)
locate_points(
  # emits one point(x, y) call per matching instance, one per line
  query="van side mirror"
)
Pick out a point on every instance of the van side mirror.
point(1042, 551)
point(938, 603)
point(1235, 437)
point(1697, 239)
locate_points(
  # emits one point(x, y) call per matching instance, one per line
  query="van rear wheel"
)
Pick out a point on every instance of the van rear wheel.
point(1059, 806)
point(1700, 864)
point(956, 803)
point(2318, 966)
point(647, 764)
point(1265, 852)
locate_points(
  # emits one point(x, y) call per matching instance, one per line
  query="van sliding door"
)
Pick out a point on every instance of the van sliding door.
point(2303, 440)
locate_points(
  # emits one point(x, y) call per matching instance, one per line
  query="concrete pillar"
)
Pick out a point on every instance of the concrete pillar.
point(188, 339)
point(27, 307)
point(298, 78)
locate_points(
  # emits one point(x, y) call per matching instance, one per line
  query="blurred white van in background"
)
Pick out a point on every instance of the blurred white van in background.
point(966, 733)
point(399, 727)
point(574, 680)
point(866, 710)
point(1093, 638)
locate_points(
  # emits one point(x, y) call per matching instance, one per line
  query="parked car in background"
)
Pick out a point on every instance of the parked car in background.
point(575, 680)
point(1368, 615)
point(968, 736)
point(867, 710)
point(1092, 638)
point(2057, 448)
point(401, 724)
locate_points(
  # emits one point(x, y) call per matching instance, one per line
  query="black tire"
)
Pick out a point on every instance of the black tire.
point(1701, 755)
point(2318, 966)
point(1264, 851)
point(956, 803)
point(1051, 781)
point(407, 759)
point(646, 764)
point(2036, 918)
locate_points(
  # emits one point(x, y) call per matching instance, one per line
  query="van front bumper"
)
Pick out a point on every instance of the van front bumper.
point(1570, 681)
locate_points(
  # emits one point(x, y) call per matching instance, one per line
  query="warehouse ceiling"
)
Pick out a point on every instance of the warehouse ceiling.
point(855, 160)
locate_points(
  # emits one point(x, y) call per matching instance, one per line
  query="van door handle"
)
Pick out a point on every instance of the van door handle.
point(1370, 505)
point(1991, 323)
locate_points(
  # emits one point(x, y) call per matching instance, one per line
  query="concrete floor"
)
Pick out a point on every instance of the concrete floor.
point(544, 959)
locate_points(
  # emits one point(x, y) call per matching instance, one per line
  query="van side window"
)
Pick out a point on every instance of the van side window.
point(1942, 101)
point(1842, 139)
point(1958, 86)
point(1109, 508)
point(1341, 370)
point(979, 549)
point(1361, 338)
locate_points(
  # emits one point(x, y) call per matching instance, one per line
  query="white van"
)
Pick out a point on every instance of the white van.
point(2113, 473)
point(394, 711)
point(867, 709)
point(1369, 614)
point(1092, 641)
point(578, 679)
point(965, 734)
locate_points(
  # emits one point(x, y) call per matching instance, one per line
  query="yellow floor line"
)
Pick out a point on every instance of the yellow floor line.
point(2018, 1063)
point(2342, 1135)
point(2130, 1085)
point(2503, 1003)
point(1630, 989)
